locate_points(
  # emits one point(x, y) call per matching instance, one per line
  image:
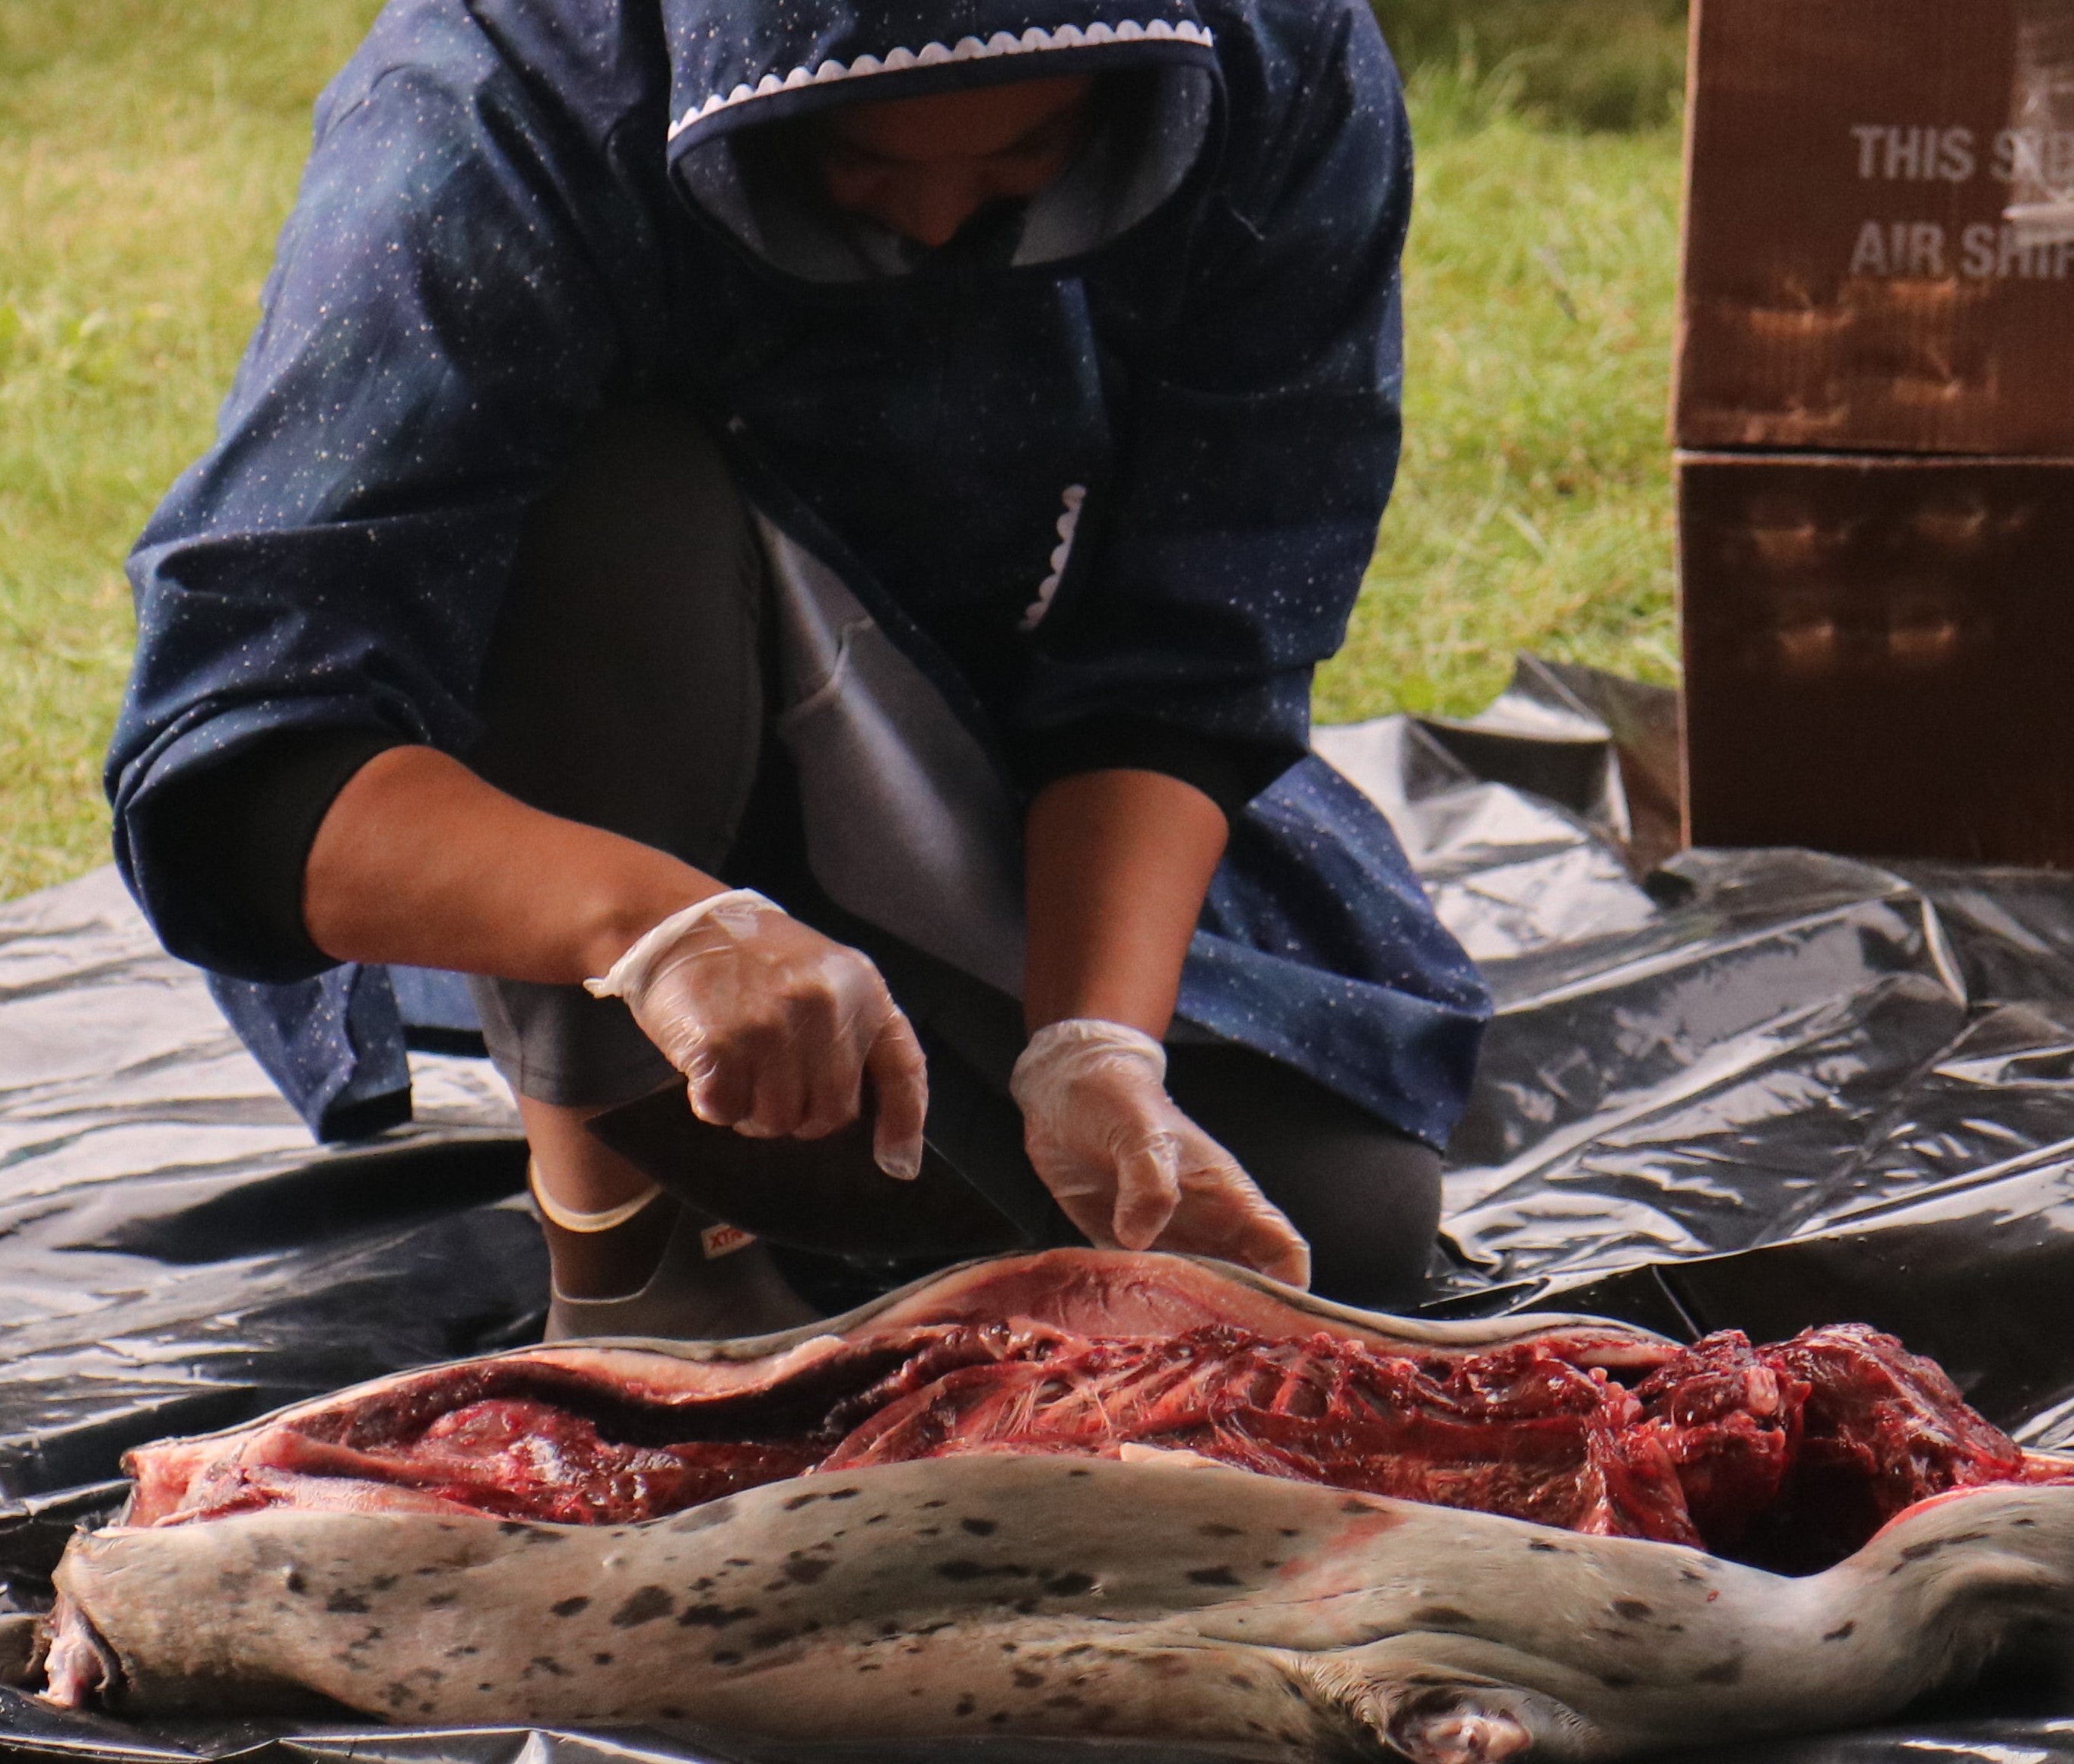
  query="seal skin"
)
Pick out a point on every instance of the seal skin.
point(1155, 1597)
point(1039, 1596)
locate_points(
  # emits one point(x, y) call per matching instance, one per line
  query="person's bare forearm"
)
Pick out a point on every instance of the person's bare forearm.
point(419, 861)
point(1117, 864)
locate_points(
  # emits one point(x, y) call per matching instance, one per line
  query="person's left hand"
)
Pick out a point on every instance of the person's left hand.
point(1128, 1167)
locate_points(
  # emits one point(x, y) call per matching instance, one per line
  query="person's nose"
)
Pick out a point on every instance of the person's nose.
point(932, 205)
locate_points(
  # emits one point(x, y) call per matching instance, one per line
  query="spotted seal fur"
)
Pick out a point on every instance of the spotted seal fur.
point(1037, 1596)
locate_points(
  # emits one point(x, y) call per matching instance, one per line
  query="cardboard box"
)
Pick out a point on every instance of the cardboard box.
point(1879, 249)
point(1879, 655)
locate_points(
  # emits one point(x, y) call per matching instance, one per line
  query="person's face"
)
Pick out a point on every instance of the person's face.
point(925, 167)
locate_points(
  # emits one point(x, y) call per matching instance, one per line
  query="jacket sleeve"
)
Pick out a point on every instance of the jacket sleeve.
point(1220, 565)
point(444, 312)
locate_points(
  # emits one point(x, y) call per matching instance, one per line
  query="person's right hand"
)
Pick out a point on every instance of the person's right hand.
point(774, 1026)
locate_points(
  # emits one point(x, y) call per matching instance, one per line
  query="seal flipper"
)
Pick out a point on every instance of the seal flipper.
point(1434, 1713)
point(1458, 1725)
point(80, 1669)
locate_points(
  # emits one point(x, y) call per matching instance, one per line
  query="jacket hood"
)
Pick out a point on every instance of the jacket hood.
point(737, 64)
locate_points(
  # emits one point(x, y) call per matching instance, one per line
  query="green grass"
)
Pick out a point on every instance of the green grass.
point(1534, 509)
point(1587, 64)
point(148, 152)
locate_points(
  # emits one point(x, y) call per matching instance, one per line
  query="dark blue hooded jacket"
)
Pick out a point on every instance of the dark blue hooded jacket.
point(1112, 480)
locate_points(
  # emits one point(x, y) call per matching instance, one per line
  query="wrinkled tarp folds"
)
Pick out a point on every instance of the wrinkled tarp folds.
point(1755, 1089)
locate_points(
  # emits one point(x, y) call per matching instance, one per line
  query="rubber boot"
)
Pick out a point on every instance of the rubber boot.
point(691, 1295)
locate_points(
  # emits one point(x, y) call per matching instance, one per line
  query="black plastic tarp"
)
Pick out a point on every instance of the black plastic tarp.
point(1756, 1089)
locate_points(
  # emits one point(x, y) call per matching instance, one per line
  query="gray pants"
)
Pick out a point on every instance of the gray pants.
point(628, 687)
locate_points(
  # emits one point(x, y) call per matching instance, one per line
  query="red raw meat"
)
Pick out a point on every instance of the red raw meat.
point(1889, 1419)
point(1517, 1432)
point(529, 1441)
point(1729, 1420)
point(1882, 1428)
point(530, 1459)
point(1794, 1455)
point(1791, 1456)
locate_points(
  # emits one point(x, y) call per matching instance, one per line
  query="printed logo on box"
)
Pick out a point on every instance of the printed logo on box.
point(2033, 240)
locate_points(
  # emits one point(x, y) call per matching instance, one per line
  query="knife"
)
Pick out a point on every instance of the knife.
point(976, 1195)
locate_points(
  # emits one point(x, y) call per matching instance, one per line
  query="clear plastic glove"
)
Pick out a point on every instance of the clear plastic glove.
point(1128, 1168)
point(774, 1026)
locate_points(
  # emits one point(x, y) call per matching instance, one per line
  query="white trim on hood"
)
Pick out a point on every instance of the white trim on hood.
point(1034, 41)
point(1069, 524)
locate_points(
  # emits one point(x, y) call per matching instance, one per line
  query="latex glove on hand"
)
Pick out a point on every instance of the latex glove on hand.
point(1128, 1168)
point(774, 1026)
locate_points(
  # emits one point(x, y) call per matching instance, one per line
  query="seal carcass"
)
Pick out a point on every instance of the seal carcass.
point(1097, 1494)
